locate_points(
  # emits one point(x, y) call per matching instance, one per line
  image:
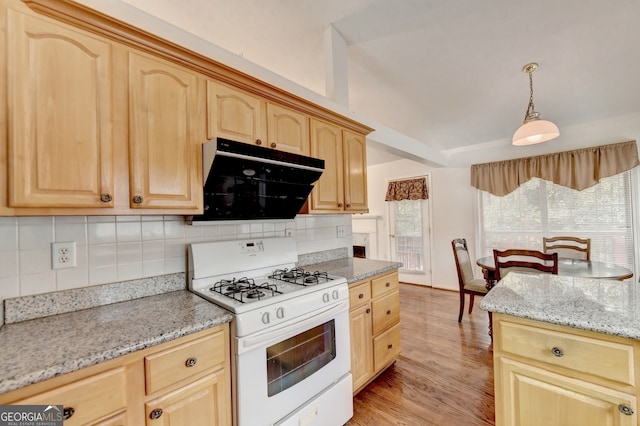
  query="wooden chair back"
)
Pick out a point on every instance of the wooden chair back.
point(463, 261)
point(468, 284)
point(566, 246)
point(528, 261)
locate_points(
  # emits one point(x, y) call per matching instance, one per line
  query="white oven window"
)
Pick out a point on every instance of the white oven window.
point(292, 360)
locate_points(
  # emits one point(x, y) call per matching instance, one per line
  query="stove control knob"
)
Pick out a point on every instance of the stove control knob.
point(265, 318)
point(280, 313)
point(335, 295)
point(325, 298)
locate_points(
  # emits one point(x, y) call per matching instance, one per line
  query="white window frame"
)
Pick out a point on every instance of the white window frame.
point(634, 180)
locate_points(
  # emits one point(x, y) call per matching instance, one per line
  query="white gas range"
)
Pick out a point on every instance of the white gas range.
point(290, 332)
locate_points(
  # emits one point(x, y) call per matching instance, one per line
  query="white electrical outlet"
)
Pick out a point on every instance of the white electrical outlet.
point(342, 231)
point(63, 255)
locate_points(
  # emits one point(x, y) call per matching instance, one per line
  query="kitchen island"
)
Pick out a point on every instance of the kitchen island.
point(566, 350)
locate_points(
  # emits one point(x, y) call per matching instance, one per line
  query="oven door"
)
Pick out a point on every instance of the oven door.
point(279, 371)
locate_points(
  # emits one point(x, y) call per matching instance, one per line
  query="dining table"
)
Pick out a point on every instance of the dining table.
point(567, 267)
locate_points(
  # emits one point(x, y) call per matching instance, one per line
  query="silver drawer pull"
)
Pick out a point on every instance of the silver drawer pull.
point(155, 414)
point(191, 362)
point(67, 412)
point(557, 351)
point(625, 409)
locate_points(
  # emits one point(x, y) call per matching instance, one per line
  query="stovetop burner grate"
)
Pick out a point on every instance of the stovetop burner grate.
point(300, 276)
point(244, 288)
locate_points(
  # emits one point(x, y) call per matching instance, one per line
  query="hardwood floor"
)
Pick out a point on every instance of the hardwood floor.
point(444, 374)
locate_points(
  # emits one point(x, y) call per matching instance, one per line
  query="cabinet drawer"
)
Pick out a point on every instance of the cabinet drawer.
point(386, 347)
point(384, 284)
point(359, 294)
point(386, 312)
point(91, 399)
point(181, 362)
point(600, 358)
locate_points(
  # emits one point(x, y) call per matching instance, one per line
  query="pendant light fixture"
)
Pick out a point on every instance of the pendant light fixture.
point(533, 129)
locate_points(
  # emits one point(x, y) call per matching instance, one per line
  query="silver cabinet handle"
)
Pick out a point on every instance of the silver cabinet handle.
point(137, 199)
point(625, 409)
point(106, 198)
point(155, 414)
point(557, 352)
point(190, 362)
point(67, 412)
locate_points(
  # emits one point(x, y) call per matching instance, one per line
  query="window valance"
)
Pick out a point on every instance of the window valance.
point(407, 189)
point(579, 169)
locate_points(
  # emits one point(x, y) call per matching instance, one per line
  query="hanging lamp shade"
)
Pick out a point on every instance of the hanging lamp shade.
point(533, 129)
point(536, 131)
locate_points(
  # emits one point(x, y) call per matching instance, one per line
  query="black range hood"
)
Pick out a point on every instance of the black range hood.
point(246, 181)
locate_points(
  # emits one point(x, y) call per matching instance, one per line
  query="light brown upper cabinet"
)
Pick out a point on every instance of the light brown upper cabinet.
point(59, 147)
point(93, 127)
point(355, 171)
point(240, 116)
point(165, 135)
point(343, 185)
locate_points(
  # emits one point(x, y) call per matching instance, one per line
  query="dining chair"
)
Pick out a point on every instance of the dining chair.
point(527, 261)
point(467, 283)
point(566, 246)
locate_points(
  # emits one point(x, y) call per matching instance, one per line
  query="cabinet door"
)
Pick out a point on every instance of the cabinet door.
point(60, 117)
point(530, 396)
point(355, 172)
point(234, 114)
point(202, 403)
point(166, 132)
point(326, 143)
point(361, 345)
point(287, 130)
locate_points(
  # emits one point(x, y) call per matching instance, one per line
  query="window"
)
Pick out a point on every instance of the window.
point(540, 208)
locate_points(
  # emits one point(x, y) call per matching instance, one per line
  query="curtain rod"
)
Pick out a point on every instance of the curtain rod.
point(407, 178)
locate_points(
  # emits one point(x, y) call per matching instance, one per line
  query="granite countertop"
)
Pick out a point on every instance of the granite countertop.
point(600, 305)
point(39, 349)
point(354, 268)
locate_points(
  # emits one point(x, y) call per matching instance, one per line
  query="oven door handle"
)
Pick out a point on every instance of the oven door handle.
point(299, 323)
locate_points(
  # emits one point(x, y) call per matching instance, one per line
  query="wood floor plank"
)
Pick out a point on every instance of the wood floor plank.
point(444, 374)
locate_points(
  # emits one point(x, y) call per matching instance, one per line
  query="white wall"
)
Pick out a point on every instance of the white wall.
point(452, 202)
point(119, 248)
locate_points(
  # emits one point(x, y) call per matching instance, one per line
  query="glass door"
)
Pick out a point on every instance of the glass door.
point(409, 239)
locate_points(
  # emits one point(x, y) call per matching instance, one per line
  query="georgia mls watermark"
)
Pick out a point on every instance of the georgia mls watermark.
point(31, 415)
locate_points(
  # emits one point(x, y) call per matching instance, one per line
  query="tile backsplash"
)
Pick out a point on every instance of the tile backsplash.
point(118, 248)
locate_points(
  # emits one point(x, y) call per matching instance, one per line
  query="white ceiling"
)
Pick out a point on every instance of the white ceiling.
point(447, 73)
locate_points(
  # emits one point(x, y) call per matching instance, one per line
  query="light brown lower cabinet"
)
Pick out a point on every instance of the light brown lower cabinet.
point(554, 375)
point(375, 327)
point(182, 382)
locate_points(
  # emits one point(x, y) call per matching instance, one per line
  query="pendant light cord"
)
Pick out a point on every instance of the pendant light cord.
point(530, 108)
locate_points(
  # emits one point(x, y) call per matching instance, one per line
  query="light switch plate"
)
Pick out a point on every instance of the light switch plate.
point(342, 231)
